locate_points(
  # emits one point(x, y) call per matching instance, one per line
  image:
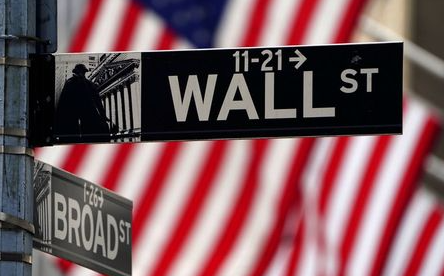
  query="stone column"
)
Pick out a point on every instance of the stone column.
point(130, 105)
point(122, 99)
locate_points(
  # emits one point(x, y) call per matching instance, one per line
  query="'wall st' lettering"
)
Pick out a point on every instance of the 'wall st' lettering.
point(238, 85)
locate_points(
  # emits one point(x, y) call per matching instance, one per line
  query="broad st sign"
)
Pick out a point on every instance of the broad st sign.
point(81, 222)
point(326, 90)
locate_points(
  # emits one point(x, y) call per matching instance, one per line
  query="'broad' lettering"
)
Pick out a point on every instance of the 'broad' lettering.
point(94, 232)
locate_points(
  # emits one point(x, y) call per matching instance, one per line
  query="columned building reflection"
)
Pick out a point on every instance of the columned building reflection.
point(117, 80)
point(43, 203)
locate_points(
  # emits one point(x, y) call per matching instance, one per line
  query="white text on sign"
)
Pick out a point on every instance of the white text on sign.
point(84, 224)
point(239, 86)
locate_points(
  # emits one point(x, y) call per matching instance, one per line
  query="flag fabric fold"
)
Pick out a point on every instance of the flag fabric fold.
point(357, 190)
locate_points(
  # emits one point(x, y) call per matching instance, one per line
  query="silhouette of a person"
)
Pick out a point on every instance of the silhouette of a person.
point(80, 113)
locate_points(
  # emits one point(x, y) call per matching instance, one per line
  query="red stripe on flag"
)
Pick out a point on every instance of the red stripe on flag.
point(330, 175)
point(256, 23)
point(240, 210)
point(166, 40)
point(297, 246)
point(132, 16)
point(193, 207)
point(64, 265)
point(408, 186)
point(118, 165)
point(153, 186)
point(289, 196)
point(349, 20)
point(442, 270)
point(423, 243)
point(74, 157)
point(37, 151)
point(82, 34)
point(299, 27)
point(361, 200)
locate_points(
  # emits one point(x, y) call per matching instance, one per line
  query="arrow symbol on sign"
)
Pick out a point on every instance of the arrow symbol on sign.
point(300, 59)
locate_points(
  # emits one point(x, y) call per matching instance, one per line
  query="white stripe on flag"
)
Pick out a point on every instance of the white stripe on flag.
point(278, 22)
point(279, 263)
point(167, 211)
point(138, 169)
point(433, 260)
point(273, 173)
point(409, 230)
point(343, 197)
point(393, 169)
point(234, 22)
point(215, 211)
point(326, 21)
point(78, 270)
point(307, 264)
point(148, 32)
point(316, 166)
point(181, 44)
point(53, 155)
point(108, 21)
point(96, 162)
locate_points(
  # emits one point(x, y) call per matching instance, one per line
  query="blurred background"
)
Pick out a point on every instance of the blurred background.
point(324, 206)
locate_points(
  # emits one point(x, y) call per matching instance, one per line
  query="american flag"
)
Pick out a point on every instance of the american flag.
point(325, 206)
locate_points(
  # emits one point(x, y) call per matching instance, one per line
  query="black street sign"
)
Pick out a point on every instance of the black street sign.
point(81, 222)
point(326, 90)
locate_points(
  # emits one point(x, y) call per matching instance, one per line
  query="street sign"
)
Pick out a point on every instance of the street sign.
point(326, 90)
point(81, 222)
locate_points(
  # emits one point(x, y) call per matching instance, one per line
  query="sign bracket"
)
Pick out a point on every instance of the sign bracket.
point(11, 222)
point(17, 150)
point(25, 37)
point(16, 132)
point(19, 62)
point(16, 257)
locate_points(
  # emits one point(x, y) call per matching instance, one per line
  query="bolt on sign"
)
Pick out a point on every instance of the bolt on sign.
point(326, 90)
point(81, 222)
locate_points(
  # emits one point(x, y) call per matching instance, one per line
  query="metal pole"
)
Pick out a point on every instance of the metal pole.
point(17, 18)
point(413, 52)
